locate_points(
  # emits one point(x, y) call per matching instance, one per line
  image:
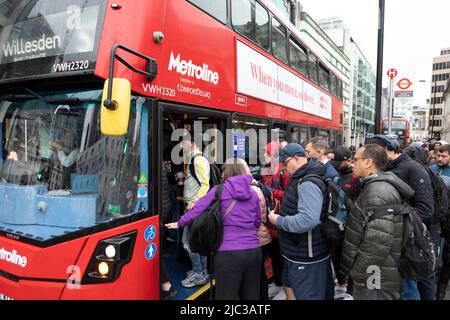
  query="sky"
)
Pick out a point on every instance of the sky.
point(415, 32)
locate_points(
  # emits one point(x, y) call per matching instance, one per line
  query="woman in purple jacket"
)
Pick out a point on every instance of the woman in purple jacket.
point(237, 265)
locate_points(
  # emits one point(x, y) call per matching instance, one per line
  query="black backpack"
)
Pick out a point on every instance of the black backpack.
point(338, 206)
point(445, 222)
point(440, 197)
point(418, 259)
point(215, 174)
point(206, 232)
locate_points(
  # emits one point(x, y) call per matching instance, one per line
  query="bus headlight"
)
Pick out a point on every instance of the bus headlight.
point(109, 257)
point(110, 251)
point(103, 268)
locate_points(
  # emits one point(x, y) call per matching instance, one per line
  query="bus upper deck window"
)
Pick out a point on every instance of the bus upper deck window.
point(298, 57)
point(313, 68)
point(215, 8)
point(279, 40)
point(251, 20)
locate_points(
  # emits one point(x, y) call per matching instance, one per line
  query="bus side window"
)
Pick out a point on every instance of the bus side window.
point(217, 8)
point(324, 77)
point(312, 67)
point(334, 85)
point(279, 40)
point(251, 20)
point(298, 57)
point(257, 136)
point(299, 135)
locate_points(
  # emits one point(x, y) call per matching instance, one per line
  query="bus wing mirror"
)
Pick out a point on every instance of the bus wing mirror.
point(115, 112)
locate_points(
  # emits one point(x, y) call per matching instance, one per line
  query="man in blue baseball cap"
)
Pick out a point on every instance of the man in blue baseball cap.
point(307, 273)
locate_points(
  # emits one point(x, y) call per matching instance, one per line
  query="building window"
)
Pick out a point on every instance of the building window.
point(215, 8)
point(436, 112)
point(251, 20)
point(436, 123)
point(437, 89)
point(437, 100)
point(279, 41)
point(298, 57)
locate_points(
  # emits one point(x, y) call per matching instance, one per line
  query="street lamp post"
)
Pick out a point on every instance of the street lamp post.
point(421, 81)
point(433, 110)
point(391, 104)
point(379, 88)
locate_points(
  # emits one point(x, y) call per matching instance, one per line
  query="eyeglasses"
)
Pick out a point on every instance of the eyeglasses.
point(357, 159)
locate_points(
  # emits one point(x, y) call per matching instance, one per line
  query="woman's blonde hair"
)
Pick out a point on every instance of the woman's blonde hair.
point(235, 167)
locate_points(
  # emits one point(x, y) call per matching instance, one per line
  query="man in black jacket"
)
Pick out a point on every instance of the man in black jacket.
point(416, 176)
point(343, 163)
point(307, 273)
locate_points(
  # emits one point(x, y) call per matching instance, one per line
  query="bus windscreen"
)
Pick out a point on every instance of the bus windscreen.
point(395, 124)
point(47, 37)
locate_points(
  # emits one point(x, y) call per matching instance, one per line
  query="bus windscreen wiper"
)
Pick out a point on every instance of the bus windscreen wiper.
point(56, 101)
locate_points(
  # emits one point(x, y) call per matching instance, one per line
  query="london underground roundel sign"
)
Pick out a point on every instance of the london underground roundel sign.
point(404, 84)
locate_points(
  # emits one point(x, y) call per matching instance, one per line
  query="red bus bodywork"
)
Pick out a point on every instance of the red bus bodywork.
point(195, 36)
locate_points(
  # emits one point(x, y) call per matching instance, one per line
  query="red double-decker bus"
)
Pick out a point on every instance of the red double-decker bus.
point(399, 127)
point(83, 169)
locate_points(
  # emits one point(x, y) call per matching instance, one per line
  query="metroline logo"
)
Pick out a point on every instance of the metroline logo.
point(13, 257)
point(188, 68)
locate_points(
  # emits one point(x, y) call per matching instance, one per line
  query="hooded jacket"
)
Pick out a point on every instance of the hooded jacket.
point(377, 243)
point(416, 152)
point(416, 176)
point(242, 222)
point(331, 172)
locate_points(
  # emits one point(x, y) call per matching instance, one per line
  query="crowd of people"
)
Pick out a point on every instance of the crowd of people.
point(279, 217)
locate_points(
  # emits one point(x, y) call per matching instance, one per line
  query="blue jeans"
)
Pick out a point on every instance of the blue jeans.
point(410, 291)
point(427, 287)
point(199, 263)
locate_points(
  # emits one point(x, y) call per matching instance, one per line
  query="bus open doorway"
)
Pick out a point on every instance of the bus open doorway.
point(211, 127)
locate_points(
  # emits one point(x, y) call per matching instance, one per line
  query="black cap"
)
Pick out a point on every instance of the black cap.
point(341, 153)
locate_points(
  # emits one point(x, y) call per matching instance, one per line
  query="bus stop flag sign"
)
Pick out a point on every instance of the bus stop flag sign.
point(392, 73)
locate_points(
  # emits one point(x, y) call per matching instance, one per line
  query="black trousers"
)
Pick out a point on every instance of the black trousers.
point(238, 274)
point(274, 252)
point(444, 275)
point(336, 253)
point(165, 276)
point(264, 291)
